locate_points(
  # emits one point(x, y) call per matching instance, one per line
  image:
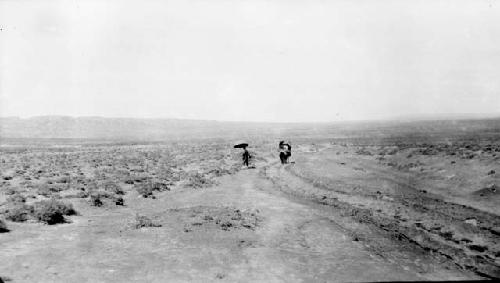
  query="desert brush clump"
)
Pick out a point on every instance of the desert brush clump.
point(52, 211)
point(146, 190)
point(98, 198)
point(16, 198)
point(3, 226)
point(114, 188)
point(197, 180)
point(82, 193)
point(144, 221)
point(48, 211)
point(18, 212)
point(217, 172)
point(49, 190)
point(10, 191)
point(159, 186)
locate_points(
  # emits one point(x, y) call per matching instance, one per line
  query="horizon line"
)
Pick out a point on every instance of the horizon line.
point(404, 118)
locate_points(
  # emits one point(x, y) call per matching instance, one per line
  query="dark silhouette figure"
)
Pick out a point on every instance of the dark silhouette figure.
point(285, 152)
point(246, 156)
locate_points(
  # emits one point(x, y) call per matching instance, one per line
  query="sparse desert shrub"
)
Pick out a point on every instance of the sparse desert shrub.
point(10, 191)
point(392, 151)
point(392, 164)
point(82, 193)
point(113, 188)
point(145, 190)
point(430, 150)
point(52, 211)
point(63, 180)
point(363, 151)
point(144, 221)
point(406, 167)
point(48, 191)
point(225, 218)
point(468, 156)
point(97, 198)
point(217, 172)
point(159, 186)
point(197, 180)
point(3, 227)
point(18, 212)
point(16, 198)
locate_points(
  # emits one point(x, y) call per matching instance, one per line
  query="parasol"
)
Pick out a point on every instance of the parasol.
point(240, 145)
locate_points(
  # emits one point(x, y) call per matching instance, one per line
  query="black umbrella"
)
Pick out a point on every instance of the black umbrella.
point(241, 145)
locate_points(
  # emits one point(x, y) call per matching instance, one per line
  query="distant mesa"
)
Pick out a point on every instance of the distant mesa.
point(66, 127)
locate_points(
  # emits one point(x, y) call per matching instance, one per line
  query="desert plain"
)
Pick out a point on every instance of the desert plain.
point(413, 201)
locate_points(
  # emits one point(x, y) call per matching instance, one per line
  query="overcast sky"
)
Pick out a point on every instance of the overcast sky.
point(249, 60)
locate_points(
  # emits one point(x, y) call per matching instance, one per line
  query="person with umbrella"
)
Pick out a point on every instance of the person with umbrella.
point(246, 155)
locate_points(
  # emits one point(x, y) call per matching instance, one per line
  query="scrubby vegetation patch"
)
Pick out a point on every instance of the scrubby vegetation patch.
point(50, 211)
point(142, 221)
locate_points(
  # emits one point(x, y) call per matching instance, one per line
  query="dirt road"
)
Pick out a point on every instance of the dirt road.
point(242, 230)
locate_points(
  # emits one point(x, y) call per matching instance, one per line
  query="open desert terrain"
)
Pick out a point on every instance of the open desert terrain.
point(249, 141)
point(412, 201)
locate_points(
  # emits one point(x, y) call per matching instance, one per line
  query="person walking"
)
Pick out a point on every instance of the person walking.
point(284, 152)
point(246, 156)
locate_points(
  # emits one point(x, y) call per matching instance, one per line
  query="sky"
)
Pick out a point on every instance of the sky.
point(249, 60)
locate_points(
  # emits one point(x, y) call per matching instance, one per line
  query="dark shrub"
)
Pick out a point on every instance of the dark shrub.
point(3, 227)
point(159, 186)
point(97, 198)
point(119, 201)
point(52, 211)
point(4, 279)
point(145, 190)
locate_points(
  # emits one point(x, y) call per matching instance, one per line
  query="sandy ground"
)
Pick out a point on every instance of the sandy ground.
point(443, 204)
point(254, 226)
